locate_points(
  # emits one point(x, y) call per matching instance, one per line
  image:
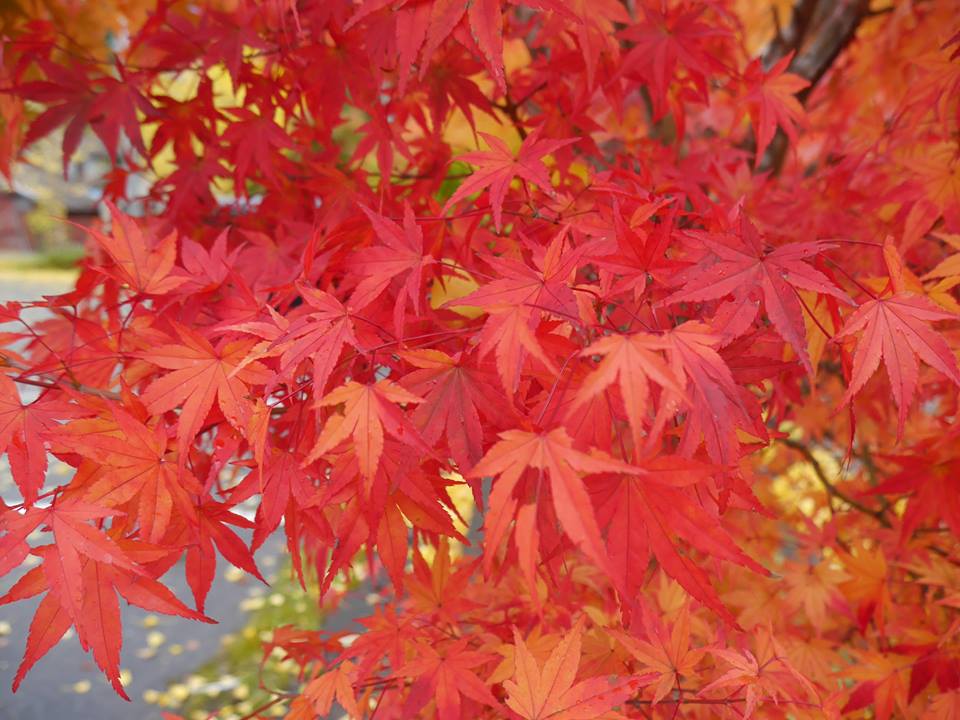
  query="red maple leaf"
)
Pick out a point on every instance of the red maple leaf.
point(280, 481)
point(206, 529)
point(97, 613)
point(648, 513)
point(446, 674)
point(497, 167)
point(23, 429)
point(715, 406)
point(550, 454)
point(368, 410)
point(400, 257)
point(631, 360)
point(740, 266)
point(142, 263)
point(320, 335)
point(455, 392)
point(77, 97)
point(897, 329)
point(931, 480)
point(80, 573)
point(771, 101)
point(666, 39)
point(518, 299)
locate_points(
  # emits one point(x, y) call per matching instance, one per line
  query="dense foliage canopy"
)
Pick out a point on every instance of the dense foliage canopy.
point(566, 318)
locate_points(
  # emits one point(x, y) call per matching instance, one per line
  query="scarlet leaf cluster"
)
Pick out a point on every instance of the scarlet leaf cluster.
point(565, 318)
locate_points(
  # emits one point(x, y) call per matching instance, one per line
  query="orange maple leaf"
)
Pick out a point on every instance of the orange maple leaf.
point(670, 657)
point(336, 684)
point(368, 410)
point(633, 360)
point(553, 452)
point(202, 373)
point(538, 693)
point(135, 463)
point(143, 266)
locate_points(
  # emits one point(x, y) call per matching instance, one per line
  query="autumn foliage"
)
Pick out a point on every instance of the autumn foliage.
point(617, 341)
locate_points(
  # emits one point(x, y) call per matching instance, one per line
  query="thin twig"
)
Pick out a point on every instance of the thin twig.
point(54, 382)
point(828, 485)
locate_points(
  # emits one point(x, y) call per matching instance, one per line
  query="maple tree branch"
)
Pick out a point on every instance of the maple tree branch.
point(711, 701)
point(54, 382)
point(246, 438)
point(818, 32)
point(835, 31)
point(556, 383)
point(879, 515)
point(932, 530)
point(832, 490)
point(679, 698)
point(266, 706)
point(860, 286)
point(866, 457)
point(811, 314)
point(511, 109)
point(787, 39)
point(459, 270)
point(532, 92)
point(423, 176)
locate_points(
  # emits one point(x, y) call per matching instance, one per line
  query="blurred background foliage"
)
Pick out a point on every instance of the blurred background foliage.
point(96, 31)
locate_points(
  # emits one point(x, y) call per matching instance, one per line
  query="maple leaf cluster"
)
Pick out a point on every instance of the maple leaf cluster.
point(563, 318)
